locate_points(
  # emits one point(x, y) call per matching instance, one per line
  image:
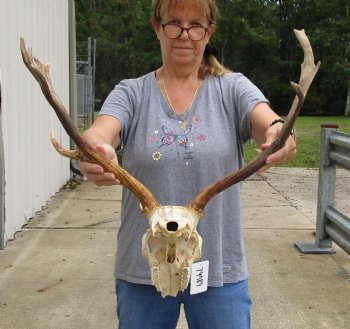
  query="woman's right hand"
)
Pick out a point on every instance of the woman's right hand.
point(95, 173)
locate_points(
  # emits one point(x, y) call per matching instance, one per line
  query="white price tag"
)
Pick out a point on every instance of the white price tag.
point(199, 277)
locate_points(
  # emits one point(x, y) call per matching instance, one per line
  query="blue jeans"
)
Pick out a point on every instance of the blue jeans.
point(142, 307)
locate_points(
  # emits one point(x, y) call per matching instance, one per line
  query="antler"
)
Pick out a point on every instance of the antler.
point(85, 151)
point(308, 72)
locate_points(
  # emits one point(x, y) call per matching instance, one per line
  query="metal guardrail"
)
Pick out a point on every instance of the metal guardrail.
point(331, 224)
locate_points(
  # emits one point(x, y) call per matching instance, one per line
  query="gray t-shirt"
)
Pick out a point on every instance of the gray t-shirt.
point(176, 156)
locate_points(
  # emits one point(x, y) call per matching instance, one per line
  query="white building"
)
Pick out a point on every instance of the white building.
point(30, 169)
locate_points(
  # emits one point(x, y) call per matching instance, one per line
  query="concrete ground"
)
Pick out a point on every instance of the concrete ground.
point(58, 272)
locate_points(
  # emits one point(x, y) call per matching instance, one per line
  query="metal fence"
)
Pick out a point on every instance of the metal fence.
point(331, 224)
point(86, 64)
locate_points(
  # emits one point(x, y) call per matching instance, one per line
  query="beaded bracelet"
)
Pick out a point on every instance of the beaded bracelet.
point(282, 121)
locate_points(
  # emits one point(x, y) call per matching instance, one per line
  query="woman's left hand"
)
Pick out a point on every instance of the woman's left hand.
point(283, 155)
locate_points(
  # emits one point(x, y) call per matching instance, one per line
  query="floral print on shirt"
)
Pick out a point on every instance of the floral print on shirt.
point(181, 134)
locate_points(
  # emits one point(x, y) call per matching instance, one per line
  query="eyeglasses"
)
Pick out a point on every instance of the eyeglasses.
point(195, 32)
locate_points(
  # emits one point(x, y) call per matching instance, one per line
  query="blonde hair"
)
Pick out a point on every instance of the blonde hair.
point(209, 65)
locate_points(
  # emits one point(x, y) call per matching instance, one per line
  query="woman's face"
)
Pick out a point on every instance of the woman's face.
point(183, 50)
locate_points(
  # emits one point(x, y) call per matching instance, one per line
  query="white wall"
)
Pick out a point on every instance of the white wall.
point(33, 169)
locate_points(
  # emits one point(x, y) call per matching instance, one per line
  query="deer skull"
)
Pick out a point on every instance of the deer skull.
point(171, 245)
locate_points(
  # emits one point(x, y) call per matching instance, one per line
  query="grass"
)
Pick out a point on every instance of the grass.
point(308, 140)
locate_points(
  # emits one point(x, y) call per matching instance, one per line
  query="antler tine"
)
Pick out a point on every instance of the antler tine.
point(308, 72)
point(85, 151)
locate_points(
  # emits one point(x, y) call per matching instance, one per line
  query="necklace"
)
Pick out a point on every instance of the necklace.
point(168, 99)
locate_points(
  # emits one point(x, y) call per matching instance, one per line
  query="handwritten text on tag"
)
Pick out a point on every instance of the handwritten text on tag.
point(199, 277)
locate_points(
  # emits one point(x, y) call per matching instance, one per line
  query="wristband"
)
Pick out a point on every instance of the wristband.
point(282, 121)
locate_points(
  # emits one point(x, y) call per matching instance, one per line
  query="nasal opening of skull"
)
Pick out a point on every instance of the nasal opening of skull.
point(172, 226)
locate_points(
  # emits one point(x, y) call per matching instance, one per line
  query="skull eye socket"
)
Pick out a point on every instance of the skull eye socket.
point(172, 226)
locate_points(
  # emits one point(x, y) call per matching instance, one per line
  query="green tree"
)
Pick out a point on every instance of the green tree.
point(249, 44)
point(254, 37)
point(126, 46)
point(327, 25)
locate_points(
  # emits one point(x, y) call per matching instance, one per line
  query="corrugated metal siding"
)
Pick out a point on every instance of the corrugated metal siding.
point(33, 169)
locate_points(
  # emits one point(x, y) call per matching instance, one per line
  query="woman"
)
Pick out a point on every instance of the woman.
point(182, 128)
